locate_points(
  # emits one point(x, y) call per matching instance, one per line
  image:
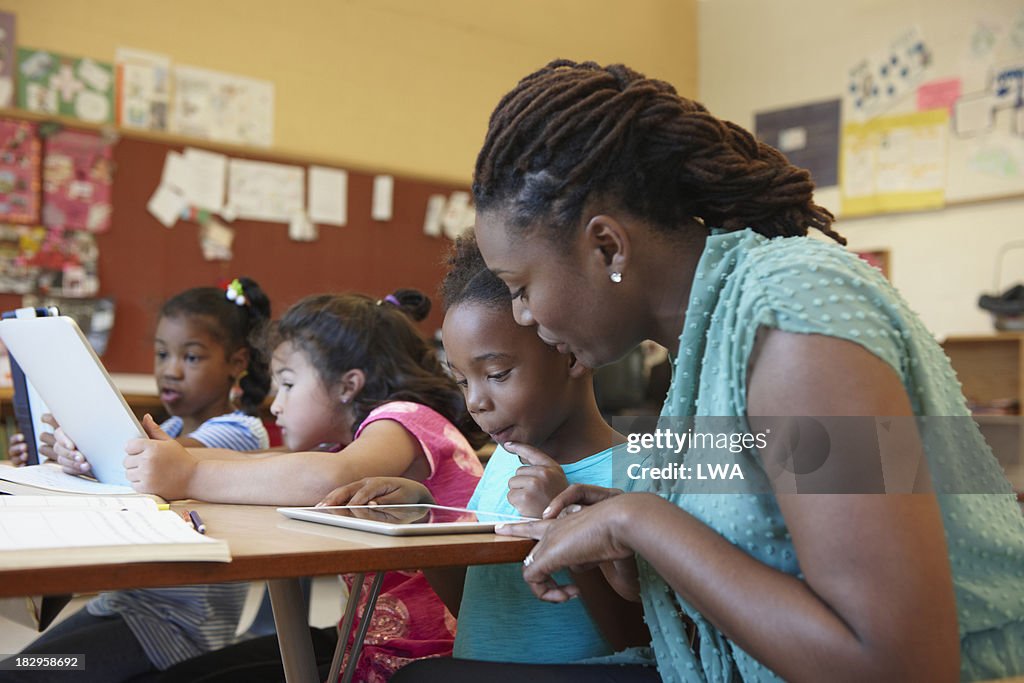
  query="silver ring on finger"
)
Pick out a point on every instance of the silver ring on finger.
point(528, 561)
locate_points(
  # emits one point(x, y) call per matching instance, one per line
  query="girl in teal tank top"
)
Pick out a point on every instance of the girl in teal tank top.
point(616, 211)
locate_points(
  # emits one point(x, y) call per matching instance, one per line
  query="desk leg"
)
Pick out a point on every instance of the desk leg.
point(292, 623)
point(357, 643)
point(351, 604)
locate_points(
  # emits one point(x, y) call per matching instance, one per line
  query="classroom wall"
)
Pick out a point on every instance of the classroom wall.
point(757, 56)
point(398, 85)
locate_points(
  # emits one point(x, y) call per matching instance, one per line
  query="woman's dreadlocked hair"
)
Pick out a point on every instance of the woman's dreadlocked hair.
point(571, 132)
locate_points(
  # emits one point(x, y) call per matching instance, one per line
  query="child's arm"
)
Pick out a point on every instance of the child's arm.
point(57, 446)
point(162, 466)
point(447, 582)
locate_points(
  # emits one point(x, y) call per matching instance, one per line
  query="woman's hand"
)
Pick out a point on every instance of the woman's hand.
point(159, 464)
point(582, 529)
point(379, 491)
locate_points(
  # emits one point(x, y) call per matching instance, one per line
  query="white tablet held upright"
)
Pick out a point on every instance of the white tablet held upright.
point(70, 378)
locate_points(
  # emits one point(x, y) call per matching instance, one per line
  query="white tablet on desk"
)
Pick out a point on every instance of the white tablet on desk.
point(403, 520)
point(67, 373)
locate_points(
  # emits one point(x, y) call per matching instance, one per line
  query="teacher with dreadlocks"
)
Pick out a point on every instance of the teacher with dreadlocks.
point(616, 211)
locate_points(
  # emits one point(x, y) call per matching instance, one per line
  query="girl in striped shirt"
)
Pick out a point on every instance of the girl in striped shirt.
point(212, 381)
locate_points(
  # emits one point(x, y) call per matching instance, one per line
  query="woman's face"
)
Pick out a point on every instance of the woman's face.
point(564, 290)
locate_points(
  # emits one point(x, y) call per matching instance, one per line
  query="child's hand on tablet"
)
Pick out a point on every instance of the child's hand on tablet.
point(159, 464)
point(47, 440)
point(379, 491)
point(536, 483)
point(17, 449)
point(64, 450)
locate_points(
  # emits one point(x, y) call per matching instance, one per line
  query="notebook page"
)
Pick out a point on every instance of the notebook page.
point(36, 528)
point(51, 476)
point(79, 502)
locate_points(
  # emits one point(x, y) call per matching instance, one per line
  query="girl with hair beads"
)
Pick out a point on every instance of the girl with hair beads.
point(212, 381)
point(617, 211)
point(353, 371)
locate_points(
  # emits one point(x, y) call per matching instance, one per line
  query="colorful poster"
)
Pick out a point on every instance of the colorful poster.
point(37, 260)
point(19, 172)
point(225, 107)
point(894, 163)
point(7, 43)
point(78, 172)
point(808, 135)
point(143, 89)
point(50, 83)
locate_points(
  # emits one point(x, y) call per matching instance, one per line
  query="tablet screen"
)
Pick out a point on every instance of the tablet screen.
point(416, 514)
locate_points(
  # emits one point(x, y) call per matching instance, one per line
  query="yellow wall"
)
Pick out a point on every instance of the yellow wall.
point(399, 85)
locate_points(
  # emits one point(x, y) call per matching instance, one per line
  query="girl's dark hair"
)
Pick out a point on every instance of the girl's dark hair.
point(342, 332)
point(572, 132)
point(469, 280)
point(234, 326)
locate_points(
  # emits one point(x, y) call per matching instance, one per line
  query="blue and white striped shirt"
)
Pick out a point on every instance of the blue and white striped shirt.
point(179, 623)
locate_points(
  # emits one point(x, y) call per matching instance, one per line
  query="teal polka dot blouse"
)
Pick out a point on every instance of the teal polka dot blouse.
point(796, 284)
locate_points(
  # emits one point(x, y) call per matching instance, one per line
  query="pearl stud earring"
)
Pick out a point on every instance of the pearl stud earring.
point(616, 277)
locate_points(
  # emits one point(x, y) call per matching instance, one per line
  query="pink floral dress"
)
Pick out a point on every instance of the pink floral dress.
point(410, 621)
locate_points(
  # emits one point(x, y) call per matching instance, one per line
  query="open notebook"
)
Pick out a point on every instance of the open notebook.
point(49, 479)
point(62, 531)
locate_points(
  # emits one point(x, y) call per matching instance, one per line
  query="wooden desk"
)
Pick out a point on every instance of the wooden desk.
point(267, 546)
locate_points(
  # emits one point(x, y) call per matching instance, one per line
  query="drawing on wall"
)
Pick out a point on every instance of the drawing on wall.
point(264, 191)
point(143, 89)
point(19, 172)
point(894, 163)
point(876, 83)
point(78, 170)
point(222, 106)
point(976, 113)
point(50, 83)
point(7, 43)
point(988, 127)
point(808, 135)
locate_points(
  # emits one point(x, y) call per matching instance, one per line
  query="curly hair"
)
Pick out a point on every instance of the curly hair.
point(571, 132)
point(469, 280)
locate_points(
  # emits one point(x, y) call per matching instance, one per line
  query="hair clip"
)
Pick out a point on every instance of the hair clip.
point(234, 292)
point(391, 299)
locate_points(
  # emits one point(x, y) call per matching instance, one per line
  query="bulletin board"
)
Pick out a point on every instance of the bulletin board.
point(939, 104)
point(925, 108)
point(142, 263)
